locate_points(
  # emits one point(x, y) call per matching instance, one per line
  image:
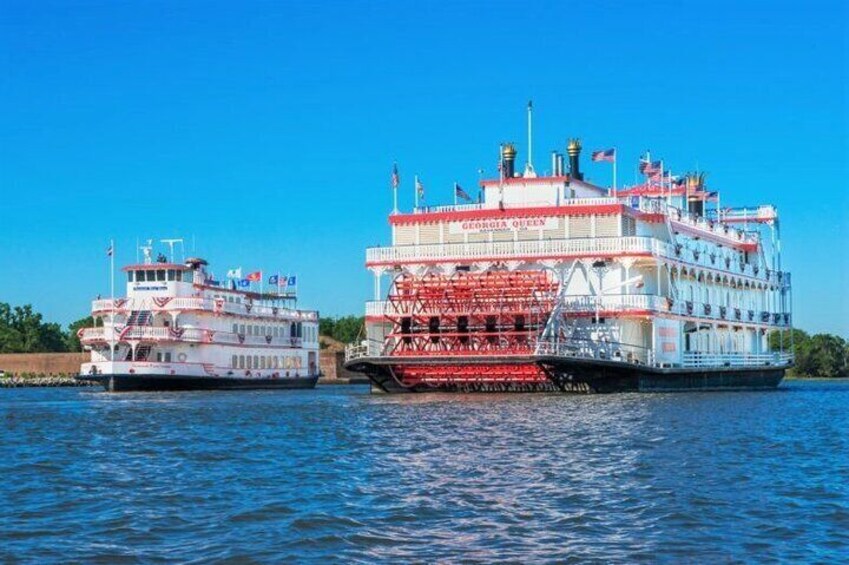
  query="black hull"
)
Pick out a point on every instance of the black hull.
point(588, 375)
point(578, 375)
point(151, 383)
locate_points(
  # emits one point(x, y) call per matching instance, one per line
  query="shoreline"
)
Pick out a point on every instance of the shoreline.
point(56, 381)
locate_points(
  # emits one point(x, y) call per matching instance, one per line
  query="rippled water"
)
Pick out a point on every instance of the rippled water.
point(339, 475)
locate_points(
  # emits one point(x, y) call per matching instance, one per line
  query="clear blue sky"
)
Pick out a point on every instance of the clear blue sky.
point(268, 130)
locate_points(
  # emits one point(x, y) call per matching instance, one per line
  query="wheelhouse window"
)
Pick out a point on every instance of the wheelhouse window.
point(160, 275)
point(150, 276)
point(172, 275)
point(129, 276)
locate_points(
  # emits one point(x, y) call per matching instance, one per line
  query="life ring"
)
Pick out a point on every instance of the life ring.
point(181, 357)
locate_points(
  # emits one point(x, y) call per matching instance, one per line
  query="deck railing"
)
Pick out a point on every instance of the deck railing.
point(693, 255)
point(185, 335)
point(775, 358)
point(587, 304)
point(192, 303)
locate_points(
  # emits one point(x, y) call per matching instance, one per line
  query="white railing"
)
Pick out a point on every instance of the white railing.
point(632, 354)
point(595, 349)
point(187, 335)
point(696, 359)
point(376, 308)
point(625, 302)
point(546, 247)
point(657, 206)
point(514, 205)
point(696, 255)
point(184, 303)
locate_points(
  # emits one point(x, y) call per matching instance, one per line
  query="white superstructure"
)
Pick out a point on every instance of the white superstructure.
point(175, 320)
point(645, 275)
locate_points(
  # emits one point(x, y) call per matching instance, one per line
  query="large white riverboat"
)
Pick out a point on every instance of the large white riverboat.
point(549, 282)
point(177, 329)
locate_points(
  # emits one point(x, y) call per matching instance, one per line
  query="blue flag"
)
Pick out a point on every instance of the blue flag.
point(274, 279)
point(291, 281)
point(244, 283)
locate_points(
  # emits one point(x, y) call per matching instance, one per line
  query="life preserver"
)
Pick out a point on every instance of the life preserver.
point(181, 357)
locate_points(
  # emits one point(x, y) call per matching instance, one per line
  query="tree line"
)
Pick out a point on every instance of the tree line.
point(22, 330)
point(818, 355)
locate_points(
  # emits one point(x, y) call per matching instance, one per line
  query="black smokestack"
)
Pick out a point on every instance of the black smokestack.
point(574, 150)
point(508, 160)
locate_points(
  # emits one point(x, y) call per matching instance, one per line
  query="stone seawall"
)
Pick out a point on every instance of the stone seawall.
point(42, 363)
point(331, 360)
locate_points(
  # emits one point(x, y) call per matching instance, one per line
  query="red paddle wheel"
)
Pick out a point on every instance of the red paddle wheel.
point(480, 324)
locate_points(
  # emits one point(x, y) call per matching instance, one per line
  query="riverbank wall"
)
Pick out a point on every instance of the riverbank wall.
point(47, 365)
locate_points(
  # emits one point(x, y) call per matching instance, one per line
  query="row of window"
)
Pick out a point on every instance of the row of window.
point(157, 275)
point(295, 329)
point(265, 362)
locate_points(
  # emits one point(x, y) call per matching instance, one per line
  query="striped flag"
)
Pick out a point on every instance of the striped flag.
point(419, 188)
point(604, 155)
point(460, 193)
point(396, 178)
point(110, 250)
point(650, 168)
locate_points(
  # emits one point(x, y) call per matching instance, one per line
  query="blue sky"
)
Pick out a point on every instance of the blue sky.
point(267, 130)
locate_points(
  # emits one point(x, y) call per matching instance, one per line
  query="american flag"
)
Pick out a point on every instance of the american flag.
point(604, 155)
point(650, 168)
point(419, 188)
point(461, 193)
point(396, 178)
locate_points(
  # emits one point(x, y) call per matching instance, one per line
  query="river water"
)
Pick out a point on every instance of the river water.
point(339, 475)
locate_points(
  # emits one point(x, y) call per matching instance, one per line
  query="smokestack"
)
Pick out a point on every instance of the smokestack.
point(508, 160)
point(560, 164)
point(574, 150)
point(554, 164)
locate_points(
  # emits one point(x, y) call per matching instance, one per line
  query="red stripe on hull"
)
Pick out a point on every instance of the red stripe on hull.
point(438, 375)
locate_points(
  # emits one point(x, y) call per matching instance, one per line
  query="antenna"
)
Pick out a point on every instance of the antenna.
point(170, 243)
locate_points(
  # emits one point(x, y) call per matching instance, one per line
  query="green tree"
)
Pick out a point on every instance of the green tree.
point(827, 356)
point(325, 326)
point(345, 329)
point(24, 331)
point(72, 342)
point(348, 328)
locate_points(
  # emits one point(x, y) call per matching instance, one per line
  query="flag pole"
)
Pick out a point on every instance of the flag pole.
point(394, 198)
point(615, 156)
point(455, 194)
point(112, 292)
point(416, 191)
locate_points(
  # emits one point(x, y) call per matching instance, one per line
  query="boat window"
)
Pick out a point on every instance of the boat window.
point(242, 329)
point(262, 362)
point(160, 274)
point(167, 356)
point(276, 331)
point(256, 361)
point(250, 364)
point(129, 276)
point(171, 274)
point(234, 362)
point(241, 361)
point(150, 276)
point(250, 330)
